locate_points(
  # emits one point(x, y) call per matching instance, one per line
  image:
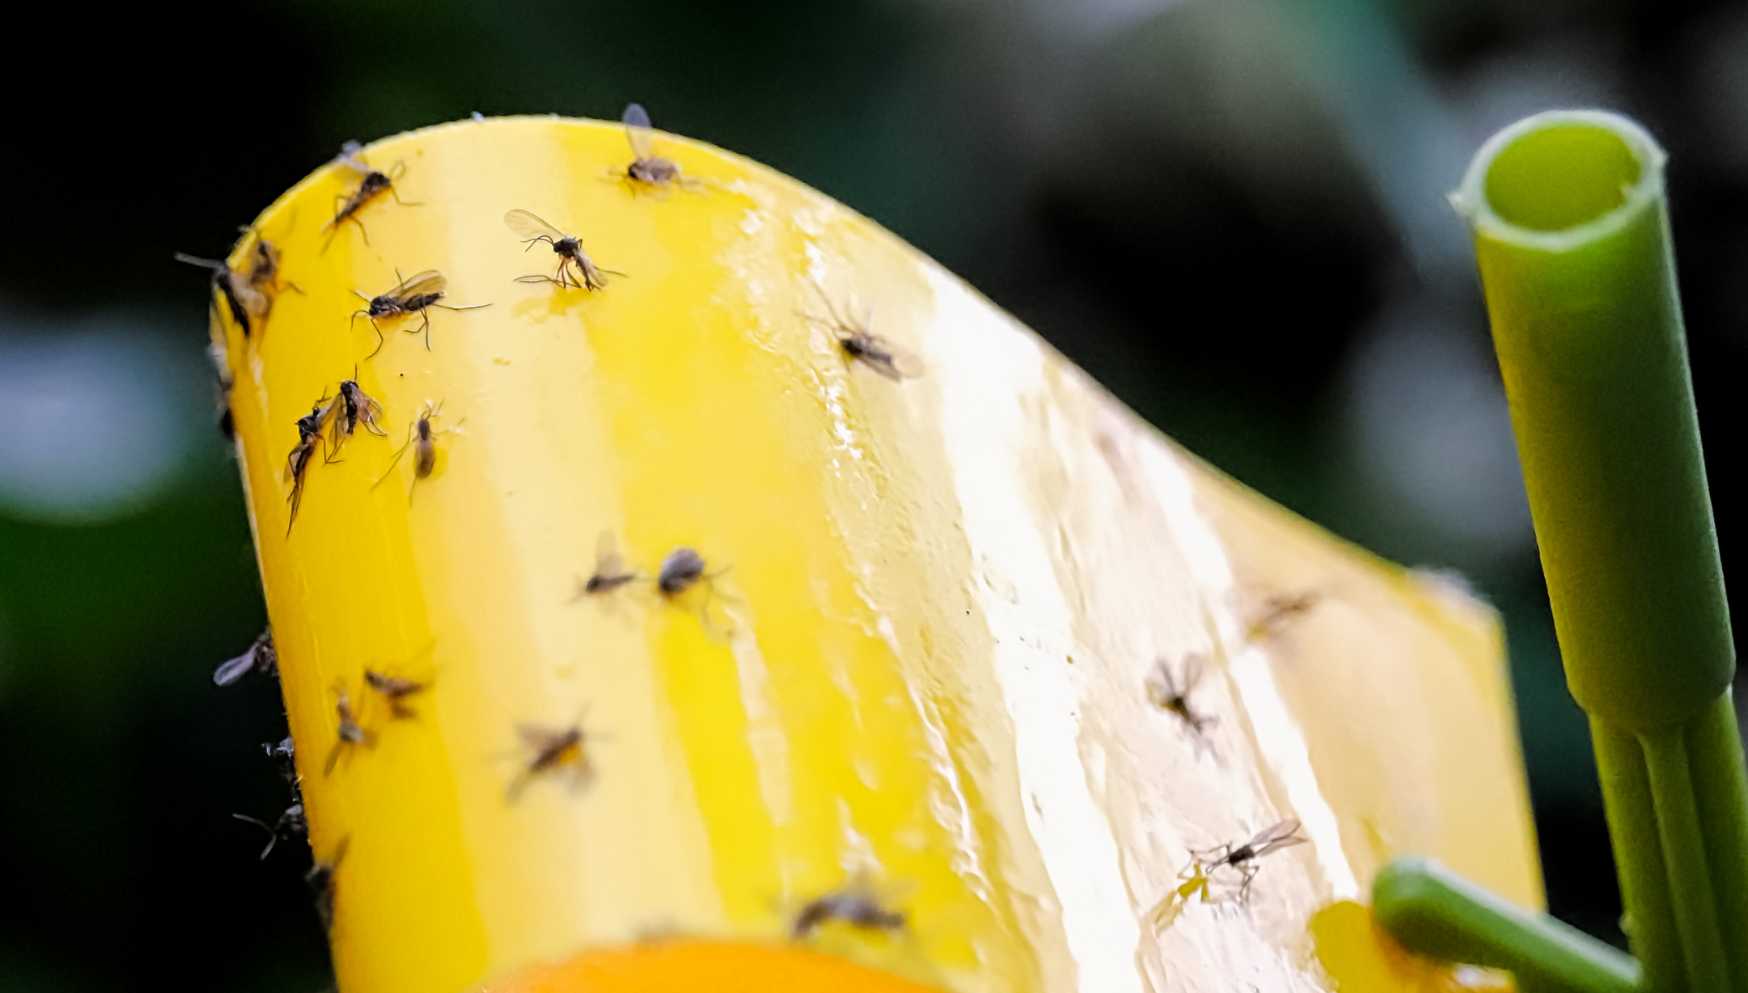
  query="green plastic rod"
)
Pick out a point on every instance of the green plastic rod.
point(1571, 229)
point(1572, 235)
point(1435, 912)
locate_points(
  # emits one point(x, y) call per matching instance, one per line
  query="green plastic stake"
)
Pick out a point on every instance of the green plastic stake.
point(1429, 909)
point(1571, 231)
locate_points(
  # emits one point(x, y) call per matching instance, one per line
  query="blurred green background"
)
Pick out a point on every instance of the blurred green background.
point(1230, 213)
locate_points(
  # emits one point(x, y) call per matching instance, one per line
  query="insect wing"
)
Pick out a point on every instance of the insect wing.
point(884, 357)
point(231, 670)
point(637, 129)
point(1192, 671)
point(1164, 684)
point(419, 284)
point(607, 561)
point(903, 364)
point(527, 226)
point(1282, 835)
point(196, 260)
point(351, 156)
point(543, 739)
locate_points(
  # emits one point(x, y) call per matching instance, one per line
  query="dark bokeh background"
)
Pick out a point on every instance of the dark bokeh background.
point(1230, 213)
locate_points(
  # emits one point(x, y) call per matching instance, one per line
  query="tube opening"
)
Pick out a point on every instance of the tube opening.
point(1560, 179)
point(1562, 176)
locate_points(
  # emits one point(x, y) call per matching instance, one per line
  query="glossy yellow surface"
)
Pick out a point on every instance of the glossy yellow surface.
point(919, 666)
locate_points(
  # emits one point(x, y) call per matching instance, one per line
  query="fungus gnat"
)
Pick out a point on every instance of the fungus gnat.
point(413, 295)
point(574, 265)
point(680, 571)
point(552, 751)
point(865, 347)
point(354, 408)
point(646, 167)
point(422, 438)
point(321, 879)
point(221, 367)
point(1277, 610)
point(283, 752)
point(263, 269)
point(395, 690)
point(1198, 876)
point(1168, 694)
point(373, 184)
point(309, 435)
point(853, 906)
point(1243, 857)
point(291, 823)
point(348, 734)
point(610, 570)
point(264, 266)
point(244, 301)
point(260, 657)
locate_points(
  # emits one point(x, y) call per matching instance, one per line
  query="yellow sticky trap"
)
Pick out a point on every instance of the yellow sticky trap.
point(1361, 958)
point(920, 654)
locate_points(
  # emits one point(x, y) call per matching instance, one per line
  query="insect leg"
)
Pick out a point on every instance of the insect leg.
point(1249, 871)
point(379, 339)
point(395, 173)
point(296, 501)
point(424, 326)
point(272, 833)
point(397, 459)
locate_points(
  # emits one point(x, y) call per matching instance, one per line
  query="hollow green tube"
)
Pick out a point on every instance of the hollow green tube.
point(1720, 786)
point(1430, 909)
point(1638, 856)
point(1684, 858)
point(1572, 236)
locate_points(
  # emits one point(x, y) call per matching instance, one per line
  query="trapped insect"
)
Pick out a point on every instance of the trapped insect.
point(221, 366)
point(263, 269)
point(290, 825)
point(680, 571)
point(1165, 692)
point(309, 436)
point(422, 438)
point(1243, 857)
point(552, 751)
point(863, 346)
point(349, 733)
point(575, 268)
point(646, 167)
point(284, 756)
point(245, 302)
point(853, 906)
point(264, 265)
point(416, 294)
point(373, 184)
point(284, 753)
point(323, 883)
point(395, 690)
point(1278, 609)
point(354, 407)
point(260, 657)
point(1198, 876)
point(610, 571)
